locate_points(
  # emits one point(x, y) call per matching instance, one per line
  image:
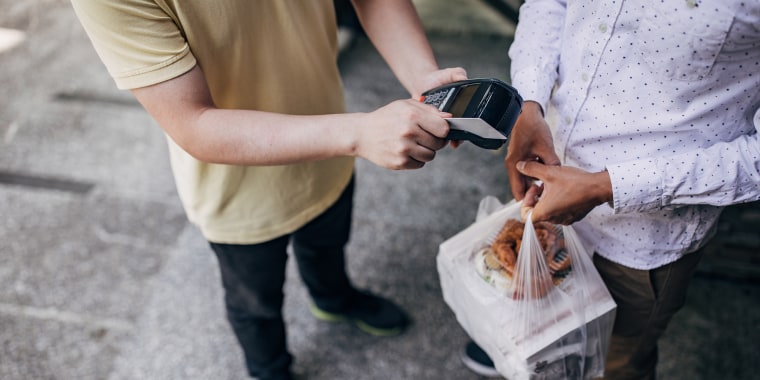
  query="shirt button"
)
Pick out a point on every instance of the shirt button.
point(584, 76)
point(568, 120)
point(603, 27)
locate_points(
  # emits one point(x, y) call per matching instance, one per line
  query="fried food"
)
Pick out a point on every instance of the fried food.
point(507, 244)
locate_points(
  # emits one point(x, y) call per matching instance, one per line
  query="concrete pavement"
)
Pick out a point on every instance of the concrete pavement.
point(101, 277)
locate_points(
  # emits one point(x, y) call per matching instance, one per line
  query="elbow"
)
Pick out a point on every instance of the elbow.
point(194, 147)
point(200, 153)
point(190, 135)
point(204, 150)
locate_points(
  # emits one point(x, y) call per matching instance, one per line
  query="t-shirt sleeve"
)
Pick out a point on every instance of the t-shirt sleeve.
point(137, 40)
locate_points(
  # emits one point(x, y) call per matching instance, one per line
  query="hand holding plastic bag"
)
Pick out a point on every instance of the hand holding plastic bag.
point(542, 314)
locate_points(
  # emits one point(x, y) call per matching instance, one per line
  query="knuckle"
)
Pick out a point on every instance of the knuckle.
point(399, 161)
point(403, 151)
point(408, 113)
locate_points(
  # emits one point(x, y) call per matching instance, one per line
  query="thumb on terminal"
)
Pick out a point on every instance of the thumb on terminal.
point(454, 74)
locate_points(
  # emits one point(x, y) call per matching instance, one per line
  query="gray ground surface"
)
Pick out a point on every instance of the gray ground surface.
point(101, 277)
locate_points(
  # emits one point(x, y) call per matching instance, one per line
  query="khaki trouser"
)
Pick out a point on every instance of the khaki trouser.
point(647, 300)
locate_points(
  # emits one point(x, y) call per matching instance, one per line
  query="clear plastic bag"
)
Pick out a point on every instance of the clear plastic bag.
point(544, 314)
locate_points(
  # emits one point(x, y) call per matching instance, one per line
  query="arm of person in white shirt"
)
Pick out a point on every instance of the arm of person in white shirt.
point(534, 58)
point(566, 194)
point(723, 174)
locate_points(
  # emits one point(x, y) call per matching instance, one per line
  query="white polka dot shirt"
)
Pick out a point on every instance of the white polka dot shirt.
point(665, 95)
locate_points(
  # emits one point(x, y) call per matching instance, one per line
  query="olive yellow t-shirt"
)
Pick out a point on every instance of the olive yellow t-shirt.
point(276, 56)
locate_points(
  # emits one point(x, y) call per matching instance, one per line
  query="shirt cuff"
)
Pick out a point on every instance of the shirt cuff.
point(533, 84)
point(637, 186)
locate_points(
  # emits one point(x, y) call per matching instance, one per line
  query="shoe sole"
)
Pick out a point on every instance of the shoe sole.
point(326, 316)
point(478, 368)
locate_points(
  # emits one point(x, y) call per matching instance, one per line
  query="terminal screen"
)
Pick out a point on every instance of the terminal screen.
point(463, 99)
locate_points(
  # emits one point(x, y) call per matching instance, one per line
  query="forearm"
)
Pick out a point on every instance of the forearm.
point(242, 137)
point(720, 175)
point(401, 135)
point(396, 31)
point(184, 109)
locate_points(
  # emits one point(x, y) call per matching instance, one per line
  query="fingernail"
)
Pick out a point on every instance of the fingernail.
point(520, 165)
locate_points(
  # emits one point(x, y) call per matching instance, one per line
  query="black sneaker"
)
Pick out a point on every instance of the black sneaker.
point(478, 361)
point(372, 314)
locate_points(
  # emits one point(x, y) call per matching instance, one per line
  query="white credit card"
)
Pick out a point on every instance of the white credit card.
point(476, 126)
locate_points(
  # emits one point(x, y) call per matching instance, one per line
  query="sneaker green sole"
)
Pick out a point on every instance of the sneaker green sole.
point(369, 329)
point(372, 330)
point(326, 315)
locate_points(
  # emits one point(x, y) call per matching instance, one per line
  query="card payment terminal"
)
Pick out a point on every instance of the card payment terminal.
point(483, 110)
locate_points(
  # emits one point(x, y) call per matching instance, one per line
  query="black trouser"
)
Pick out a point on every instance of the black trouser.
point(253, 277)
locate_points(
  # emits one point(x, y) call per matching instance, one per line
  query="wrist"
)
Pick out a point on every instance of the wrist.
point(534, 107)
point(348, 133)
point(603, 187)
point(531, 113)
